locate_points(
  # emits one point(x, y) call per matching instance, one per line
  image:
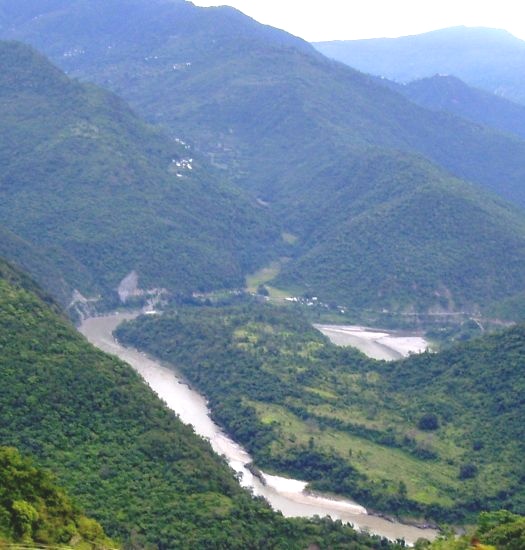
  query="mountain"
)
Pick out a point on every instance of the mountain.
point(450, 94)
point(119, 452)
point(256, 99)
point(326, 150)
point(393, 234)
point(485, 58)
point(33, 510)
point(100, 194)
point(32, 259)
point(439, 435)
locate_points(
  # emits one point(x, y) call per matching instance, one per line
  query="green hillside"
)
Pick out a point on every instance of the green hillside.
point(491, 59)
point(450, 94)
point(393, 233)
point(257, 100)
point(439, 435)
point(34, 511)
point(101, 194)
point(34, 260)
point(348, 167)
point(493, 531)
point(118, 451)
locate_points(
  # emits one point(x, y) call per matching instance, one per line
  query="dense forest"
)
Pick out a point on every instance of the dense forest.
point(494, 531)
point(98, 193)
point(438, 435)
point(117, 450)
point(384, 201)
point(33, 510)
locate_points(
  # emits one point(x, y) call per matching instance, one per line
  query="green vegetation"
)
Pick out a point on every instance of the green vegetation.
point(439, 435)
point(450, 94)
point(348, 167)
point(33, 510)
point(494, 531)
point(402, 237)
point(262, 276)
point(100, 194)
point(117, 450)
point(277, 116)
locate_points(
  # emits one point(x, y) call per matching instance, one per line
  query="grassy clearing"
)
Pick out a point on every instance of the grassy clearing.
point(267, 274)
point(263, 276)
point(424, 480)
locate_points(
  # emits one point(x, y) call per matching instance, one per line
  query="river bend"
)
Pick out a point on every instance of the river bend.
point(283, 494)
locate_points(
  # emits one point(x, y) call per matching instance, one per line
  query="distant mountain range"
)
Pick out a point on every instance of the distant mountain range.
point(450, 94)
point(368, 182)
point(486, 58)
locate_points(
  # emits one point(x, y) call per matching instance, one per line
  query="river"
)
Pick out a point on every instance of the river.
point(376, 343)
point(283, 494)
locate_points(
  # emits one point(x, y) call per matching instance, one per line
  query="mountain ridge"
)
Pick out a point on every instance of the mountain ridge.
point(483, 57)
point(450, 94)
point(293, 129)
point(105, 194)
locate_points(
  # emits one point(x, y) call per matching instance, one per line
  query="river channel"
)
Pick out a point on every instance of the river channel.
point(283, 494)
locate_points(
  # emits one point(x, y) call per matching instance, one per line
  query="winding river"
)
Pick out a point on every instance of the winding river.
point(283, 494)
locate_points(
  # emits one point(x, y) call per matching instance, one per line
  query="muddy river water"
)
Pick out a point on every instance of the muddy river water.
point(283, 494)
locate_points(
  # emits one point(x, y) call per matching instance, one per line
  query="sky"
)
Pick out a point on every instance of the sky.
point(318, 20)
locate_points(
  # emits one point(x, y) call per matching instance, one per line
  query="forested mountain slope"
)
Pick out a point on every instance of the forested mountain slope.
point(490, 59)
point(450, 94)
point(263, 102)
point(35, 260)
point(440, 435)
point(101, 194)
point(391, 232)
point(117, 449)
point(35, 511)
point(335, 156)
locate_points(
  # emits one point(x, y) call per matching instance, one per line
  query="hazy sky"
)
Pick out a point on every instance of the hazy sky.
point(316, 20)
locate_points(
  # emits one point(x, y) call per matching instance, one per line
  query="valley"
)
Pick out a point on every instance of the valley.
point(286, 496)
point(379, 203)
point(275, 205)
point(349, 424)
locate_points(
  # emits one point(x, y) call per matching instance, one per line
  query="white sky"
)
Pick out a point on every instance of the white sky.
point(317, 20)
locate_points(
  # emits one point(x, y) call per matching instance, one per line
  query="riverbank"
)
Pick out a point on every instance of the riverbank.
point(377, 344)
point(288, 496)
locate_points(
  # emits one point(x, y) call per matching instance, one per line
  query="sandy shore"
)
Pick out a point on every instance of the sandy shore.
point(376, 343)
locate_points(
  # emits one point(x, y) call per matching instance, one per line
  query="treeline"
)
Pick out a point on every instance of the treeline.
point(500, 530)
